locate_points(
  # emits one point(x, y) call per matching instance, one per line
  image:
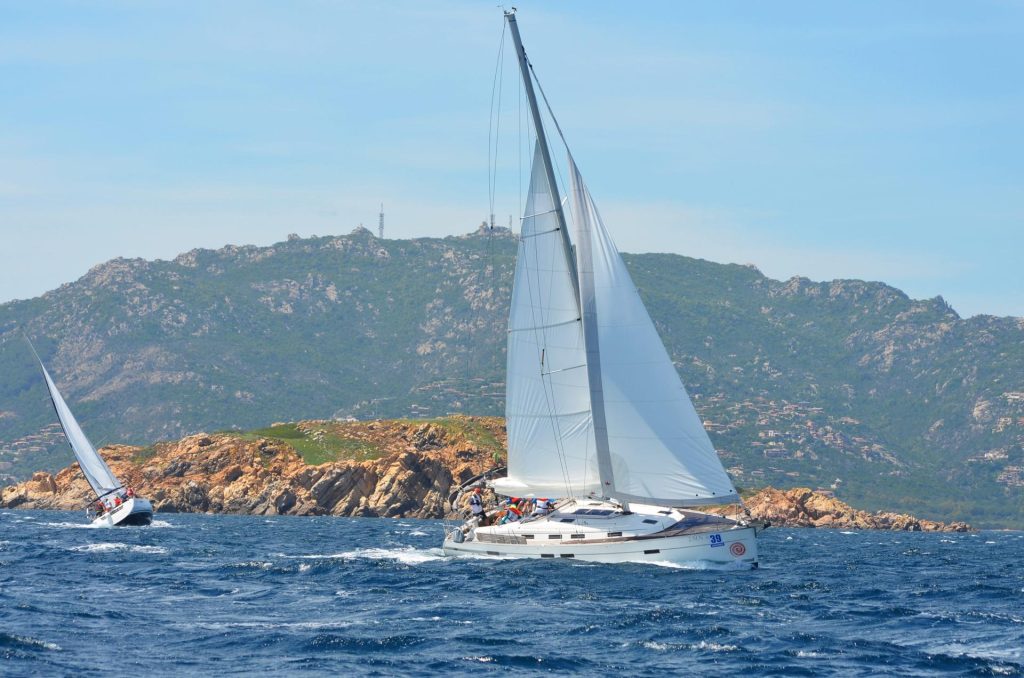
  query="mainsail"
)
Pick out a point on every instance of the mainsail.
point(547, 405)
point(96, 471)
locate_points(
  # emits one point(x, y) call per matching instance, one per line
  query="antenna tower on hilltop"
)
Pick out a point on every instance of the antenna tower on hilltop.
point(380, 223)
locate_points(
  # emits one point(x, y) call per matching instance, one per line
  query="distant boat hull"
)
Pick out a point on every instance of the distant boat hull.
point(598, 532)
point(134, 511)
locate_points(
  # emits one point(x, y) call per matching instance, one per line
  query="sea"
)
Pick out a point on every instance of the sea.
point(230, 595)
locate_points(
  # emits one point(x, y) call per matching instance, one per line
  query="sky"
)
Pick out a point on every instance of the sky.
point(875, 140)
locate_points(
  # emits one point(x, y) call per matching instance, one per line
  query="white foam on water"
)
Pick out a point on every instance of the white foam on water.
point(45, 644)
point(809, 654)
point(986, 651)
point(714, 647)
point(273, 625)
point(705, 645)
point(845, 532)
point(76, 526)
point(109, 547)
point(694, 565)
point(418, 533)
point(408, 555)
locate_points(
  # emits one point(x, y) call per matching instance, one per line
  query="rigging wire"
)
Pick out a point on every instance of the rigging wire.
point(486, 270)
point(494, 127)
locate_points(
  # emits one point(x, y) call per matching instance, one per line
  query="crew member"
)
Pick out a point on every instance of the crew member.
point(513, 514)
point(476, 506)
point(542, 508)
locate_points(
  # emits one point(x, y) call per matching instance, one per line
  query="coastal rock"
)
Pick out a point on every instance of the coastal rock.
point(803, 507)
point(233, 473)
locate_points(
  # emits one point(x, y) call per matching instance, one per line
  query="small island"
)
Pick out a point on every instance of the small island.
point(382, 468)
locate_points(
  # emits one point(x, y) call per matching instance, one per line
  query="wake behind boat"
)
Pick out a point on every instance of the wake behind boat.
point(115, 504)
point(595, 409)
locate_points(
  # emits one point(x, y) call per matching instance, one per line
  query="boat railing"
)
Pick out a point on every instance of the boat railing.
point(476, 481)
point(91, 513)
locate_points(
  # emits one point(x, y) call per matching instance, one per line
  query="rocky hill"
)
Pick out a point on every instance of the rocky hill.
point(899, 403)
point(380, 468)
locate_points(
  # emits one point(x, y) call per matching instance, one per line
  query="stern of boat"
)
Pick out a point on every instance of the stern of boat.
point(132, 512)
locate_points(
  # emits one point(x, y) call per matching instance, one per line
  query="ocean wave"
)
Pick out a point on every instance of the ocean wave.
point(407, 555)
point(702, 645)
point(109, 547)
point(11, 640)
point(694, 565)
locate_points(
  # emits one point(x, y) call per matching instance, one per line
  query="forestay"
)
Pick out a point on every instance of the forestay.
point(550, 429)
point(659, 450)
point(95, 469)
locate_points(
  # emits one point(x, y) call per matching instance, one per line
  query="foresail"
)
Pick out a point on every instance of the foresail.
point(659, 450)
point(547, 409)
point(95, 469)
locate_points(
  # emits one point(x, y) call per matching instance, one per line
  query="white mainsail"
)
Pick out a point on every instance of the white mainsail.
point(547, 406)
point(659, 451)
point(96, 471)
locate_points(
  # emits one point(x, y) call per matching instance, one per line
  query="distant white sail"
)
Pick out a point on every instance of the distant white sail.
point(96, 471)
point(550, 431)
point(660, 452)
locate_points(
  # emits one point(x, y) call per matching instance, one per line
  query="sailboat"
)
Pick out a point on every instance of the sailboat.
point(596, 413)
point(115, 504)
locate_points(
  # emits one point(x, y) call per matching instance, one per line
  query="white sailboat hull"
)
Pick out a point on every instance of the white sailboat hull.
point(648, 534)
point(134, 511)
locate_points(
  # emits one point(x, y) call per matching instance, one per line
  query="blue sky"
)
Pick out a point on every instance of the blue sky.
point(875, 140)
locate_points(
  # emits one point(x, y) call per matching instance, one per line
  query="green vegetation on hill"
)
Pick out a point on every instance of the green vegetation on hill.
point(898, 403)
point(318, 445)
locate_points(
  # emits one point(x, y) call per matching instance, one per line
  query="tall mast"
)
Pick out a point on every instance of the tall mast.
point(542, 142)
point(585, 302)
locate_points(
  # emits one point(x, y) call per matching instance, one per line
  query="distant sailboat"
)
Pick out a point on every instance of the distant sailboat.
point(115, 504)
point(595, 409)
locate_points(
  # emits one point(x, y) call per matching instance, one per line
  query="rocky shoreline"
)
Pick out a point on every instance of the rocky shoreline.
point(413, 469)
point(803, 507)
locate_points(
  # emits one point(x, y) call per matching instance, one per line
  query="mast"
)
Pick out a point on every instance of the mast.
point(542, 142)
point(585, 302)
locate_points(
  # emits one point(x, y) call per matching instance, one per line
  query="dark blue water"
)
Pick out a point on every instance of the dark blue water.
point(238, 594)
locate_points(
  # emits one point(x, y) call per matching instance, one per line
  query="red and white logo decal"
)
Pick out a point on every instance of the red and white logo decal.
point(737, 548)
